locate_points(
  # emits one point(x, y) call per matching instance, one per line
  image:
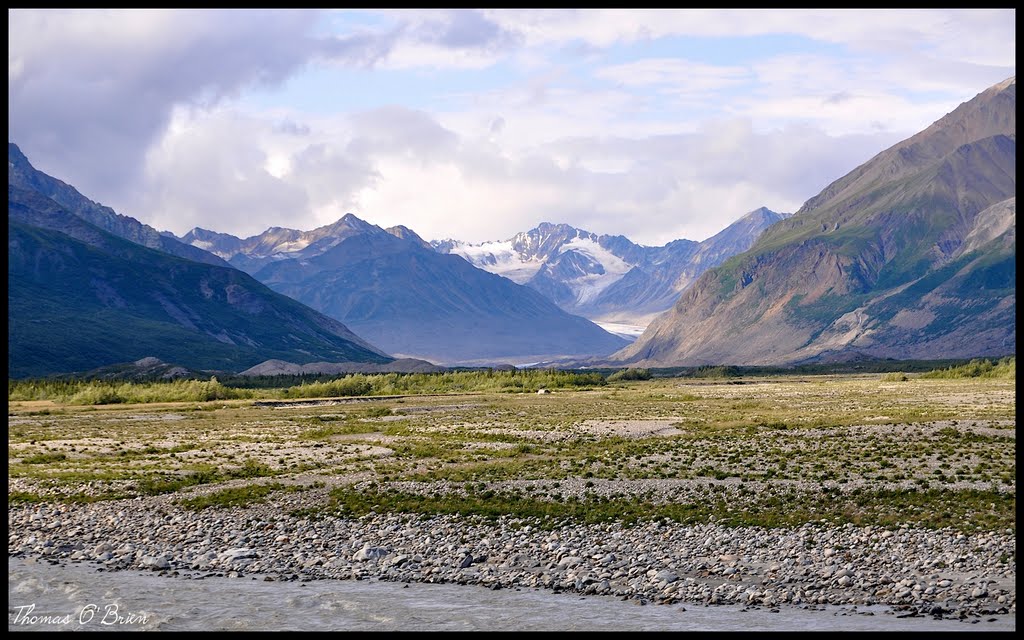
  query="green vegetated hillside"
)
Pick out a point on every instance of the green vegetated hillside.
point(910, 256)
point(80, 297)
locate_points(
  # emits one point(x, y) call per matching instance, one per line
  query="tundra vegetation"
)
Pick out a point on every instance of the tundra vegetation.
point(931, 450)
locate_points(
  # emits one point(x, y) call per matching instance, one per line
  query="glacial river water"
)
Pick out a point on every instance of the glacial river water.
point(42, 596)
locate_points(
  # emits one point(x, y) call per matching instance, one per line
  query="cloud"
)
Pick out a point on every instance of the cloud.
point(332, 178)
point(291, 128)
point(981, 35)
point(692, 185)
point(919, 49)
point(400, 166)
point(462, 29)
point(676, 72)
point(838, 98)
point(238, 172)
point(444, 39)
point(91, 90)
point(148, 112)
point(210, 170)
point(400, 131)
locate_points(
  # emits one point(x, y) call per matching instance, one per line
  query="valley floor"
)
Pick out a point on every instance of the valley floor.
point(780, 491)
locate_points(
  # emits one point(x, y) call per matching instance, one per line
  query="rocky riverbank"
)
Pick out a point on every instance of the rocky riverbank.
point(915, 571)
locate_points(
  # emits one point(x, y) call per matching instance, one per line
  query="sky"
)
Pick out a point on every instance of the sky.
point(478, 124)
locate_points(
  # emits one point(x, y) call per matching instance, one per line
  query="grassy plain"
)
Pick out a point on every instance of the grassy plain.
point(773, 451)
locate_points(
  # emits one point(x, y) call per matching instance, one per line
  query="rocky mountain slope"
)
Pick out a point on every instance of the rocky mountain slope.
point(911, 255)
point(391, 287)
point(21, 173)
point(608, 278)
point(80, 297)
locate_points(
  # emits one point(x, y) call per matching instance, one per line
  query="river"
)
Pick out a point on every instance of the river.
point(42, 596)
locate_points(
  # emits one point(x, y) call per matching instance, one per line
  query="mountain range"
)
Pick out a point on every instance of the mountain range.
point(391, 287)
point(609, 279)
point(909, 256)
point(21, 173)
point(83, 295)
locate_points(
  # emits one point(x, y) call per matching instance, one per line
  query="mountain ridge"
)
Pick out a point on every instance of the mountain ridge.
point(876, 265)
point(608, 278)
point(21, 173)
point(391, 287)
point(81, 297)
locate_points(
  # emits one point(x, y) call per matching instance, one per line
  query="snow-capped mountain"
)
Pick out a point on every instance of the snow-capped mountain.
point(411, 300)
point(609, 279)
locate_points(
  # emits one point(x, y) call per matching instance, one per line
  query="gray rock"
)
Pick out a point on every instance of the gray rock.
point(570, 561)
point(156, 563)
point(232, 555)
point(370, 553)
point(666, 576)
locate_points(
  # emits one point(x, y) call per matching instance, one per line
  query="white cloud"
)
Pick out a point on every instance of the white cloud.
point(443, 39)
point(145, 111)
point(210, 171)
point(983, 36)
point(93, 89)
point(395, 166)
point(683, 74)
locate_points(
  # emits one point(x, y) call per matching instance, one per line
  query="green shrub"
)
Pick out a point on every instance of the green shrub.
point(96, 395)
point(720, 371)
point(44, 458)
point(153, 486)
point(630, 374)
point(98, 392)
point(350, 385)
point(1005, 368)
point(233, 497)
point(101, 392)
point(251, 469)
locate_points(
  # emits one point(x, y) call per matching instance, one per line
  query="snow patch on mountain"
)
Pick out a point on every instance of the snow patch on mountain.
point(608, 278)
point(589, 286)
point(499, 257)
point(627, 331)
point(292, 247)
